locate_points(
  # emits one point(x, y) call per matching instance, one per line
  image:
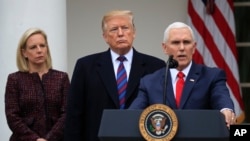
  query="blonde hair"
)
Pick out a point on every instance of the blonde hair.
point(117, 13)
point(22, 61)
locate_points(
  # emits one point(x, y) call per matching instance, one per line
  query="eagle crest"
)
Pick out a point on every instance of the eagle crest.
point(158, 123)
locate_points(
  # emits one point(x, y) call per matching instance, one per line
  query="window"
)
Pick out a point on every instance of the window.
point(242, 25)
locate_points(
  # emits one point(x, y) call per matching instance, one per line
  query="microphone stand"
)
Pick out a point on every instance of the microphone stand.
point(171, 63)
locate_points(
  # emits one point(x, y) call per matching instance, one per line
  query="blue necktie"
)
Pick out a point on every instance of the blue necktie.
point(121, 82)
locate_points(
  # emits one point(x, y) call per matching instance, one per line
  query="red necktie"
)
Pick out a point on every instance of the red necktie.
point(179, 87)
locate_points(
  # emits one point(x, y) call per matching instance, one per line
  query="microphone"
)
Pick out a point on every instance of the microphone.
point(171, 63)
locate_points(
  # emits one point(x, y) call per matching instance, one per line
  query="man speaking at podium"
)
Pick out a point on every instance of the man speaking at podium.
point(190, 85)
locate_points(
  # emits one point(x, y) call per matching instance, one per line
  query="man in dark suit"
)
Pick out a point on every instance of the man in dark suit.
point(93, 85)
point(203, 87)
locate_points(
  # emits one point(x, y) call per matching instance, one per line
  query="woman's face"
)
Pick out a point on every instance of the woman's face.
point(36, 50)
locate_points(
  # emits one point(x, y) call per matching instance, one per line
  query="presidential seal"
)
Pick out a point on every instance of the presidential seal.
point(158, 122)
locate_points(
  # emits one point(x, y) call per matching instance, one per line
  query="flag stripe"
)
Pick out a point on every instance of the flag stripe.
point(216, 46)
point(220, 45)
point(225, 30)
point(222, 25)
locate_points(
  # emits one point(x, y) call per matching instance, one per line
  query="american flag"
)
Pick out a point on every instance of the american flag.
point(214, 29)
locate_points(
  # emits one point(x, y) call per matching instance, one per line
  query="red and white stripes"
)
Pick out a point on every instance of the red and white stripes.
point(214, 30)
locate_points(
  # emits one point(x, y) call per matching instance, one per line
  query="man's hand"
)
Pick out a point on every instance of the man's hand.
point(230, 117)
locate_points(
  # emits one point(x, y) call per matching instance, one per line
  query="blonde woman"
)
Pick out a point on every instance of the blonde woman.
point(35, 96)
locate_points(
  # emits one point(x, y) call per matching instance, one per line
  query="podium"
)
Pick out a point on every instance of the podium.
point(193, 125)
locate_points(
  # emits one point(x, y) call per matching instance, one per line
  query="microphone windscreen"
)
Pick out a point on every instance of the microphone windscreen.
point(173, 63)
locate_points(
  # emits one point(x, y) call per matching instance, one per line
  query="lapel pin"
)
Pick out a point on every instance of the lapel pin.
point(192, 80)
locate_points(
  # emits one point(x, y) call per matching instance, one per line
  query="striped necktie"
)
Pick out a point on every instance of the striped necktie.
point(121, 82)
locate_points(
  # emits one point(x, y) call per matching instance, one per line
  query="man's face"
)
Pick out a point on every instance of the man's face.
point(119, 34)
point(181, 45)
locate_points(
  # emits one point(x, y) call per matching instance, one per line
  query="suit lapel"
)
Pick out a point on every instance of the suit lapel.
point(170, 92)
point(137, 70)
point(192, 78)
point(106, 71)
